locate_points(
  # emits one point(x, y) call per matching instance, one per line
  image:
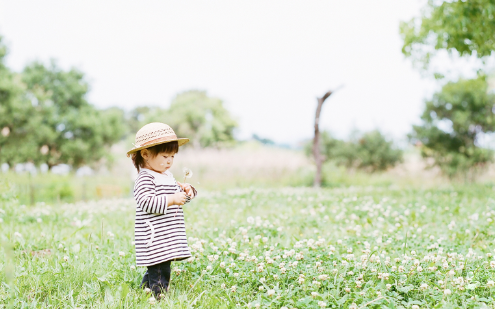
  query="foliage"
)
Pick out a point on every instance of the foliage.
point(54, 123)
point(195, 115)
point(374, 247)
point(464, 26)
point(370, 151)
point(453, 122)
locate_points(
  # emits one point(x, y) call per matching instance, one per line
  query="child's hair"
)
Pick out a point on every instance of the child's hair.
point(170, 147)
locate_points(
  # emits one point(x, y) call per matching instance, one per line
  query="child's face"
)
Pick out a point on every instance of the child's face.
point(162, 162)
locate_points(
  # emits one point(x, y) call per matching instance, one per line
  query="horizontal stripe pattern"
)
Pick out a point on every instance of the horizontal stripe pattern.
point(160, 231)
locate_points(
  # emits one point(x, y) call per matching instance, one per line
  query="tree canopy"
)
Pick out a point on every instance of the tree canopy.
point(467, 27)
point(52, 122)
point(454, 120)
point(192, 114)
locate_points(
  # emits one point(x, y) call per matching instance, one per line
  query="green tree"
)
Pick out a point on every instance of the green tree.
point(467, 27)
point(196, 115)
point(58, 124)
point(370, 151)
point(15, 113)
point(453, 122)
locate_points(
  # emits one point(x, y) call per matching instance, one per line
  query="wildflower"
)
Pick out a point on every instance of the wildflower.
point(314, 294)
point(415, 307)
point(152, 301)
point(492, 264)
point(323, 277)
point(222, 264)
point(275, 277)
point(389, 286)
point(233, 289)
point(66, 258)
point(17, 234)
point(270, 292)
point(133, 267)
point(261, 288)
point(208, 267)
point(236, 274)
point(121, 253)
point(147, 290)
point(447, 292)
point(347, 290)
point(353, 306)
point(60, 246)
point(322, 304)
point(423, 286)
point(316, 283)
point(490, 283)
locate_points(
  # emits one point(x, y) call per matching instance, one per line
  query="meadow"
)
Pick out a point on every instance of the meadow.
point(346, 247)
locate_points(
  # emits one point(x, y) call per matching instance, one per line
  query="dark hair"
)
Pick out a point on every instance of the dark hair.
point(170, 147)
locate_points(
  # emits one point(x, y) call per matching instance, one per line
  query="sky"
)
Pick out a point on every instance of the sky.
point(268, 60)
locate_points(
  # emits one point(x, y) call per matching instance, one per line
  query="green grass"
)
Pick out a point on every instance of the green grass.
point(376, 224)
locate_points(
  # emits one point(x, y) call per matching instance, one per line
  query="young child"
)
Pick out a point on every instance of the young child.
point(160, 231)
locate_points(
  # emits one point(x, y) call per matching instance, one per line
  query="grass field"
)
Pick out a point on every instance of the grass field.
point(352, 247)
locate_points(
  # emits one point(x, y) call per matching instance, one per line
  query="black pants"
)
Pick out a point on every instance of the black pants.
point(157, 278)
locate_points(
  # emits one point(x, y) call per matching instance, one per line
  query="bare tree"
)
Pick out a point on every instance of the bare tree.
point(316, 141)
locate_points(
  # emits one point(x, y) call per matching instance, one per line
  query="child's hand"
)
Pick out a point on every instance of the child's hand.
point(178, 198)
point(187, 188)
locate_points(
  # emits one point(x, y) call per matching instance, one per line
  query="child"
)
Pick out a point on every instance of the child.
point(160, 231)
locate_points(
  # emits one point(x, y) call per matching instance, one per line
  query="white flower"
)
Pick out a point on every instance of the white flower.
point(152, 300)
point(147, 290)
point(250, 220)
point(187, 172)
point(261, 288)
point(353, 306)
point(208, 267)
point(262, 280)
point(322, 304)
point(323, 277)
point(423, 286)
point(133, 267)
point(447, 292)
point(347, 290)
point(66, 258)
point(314, 294)
point(490, 283)
point(270, 292)
point(492, 264)
point(121, 253)
point(222, 285)
point(222, 264)
point(17, 234)
point(233, 289)
point(415, 307)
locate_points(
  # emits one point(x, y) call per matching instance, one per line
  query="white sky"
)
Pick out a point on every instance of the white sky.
point(268, 60)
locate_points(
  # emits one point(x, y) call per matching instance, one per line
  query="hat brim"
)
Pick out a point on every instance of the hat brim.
point(181, 141)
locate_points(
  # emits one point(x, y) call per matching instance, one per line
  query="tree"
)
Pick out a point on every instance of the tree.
point(15, 113)
point(194, 114)
point(370, 151)
point(59, 125)
point(467, 27)
point(453, 122)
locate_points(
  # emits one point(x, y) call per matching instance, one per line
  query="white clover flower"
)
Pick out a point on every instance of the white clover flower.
point(347, 290)
point(147, 290)
point(388, 286)
point(423, 286)
point(152, 300)
point(66, 258)
point(236, 274)
point(415, 307)
point(121, 253)
point(261, 288)
point(233, 289)
point(490, 283)
point(492, 264)
point(17, 234)
point(222, 285)
point(353, 306)
point(447, 292)
point(270, 292)
point(208, 267)
point(133, 267)
point(222, 264)
point(322, 304)
point(314, 294)
point(323, 277)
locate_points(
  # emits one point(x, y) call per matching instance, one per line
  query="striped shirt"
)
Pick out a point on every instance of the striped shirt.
point(160, 231)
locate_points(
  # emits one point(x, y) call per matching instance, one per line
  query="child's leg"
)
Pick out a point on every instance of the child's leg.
point(166, 275)
point(159, 277)
point(145, 281)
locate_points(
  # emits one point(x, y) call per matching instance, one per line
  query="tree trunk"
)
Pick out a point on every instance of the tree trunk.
point(316, 141)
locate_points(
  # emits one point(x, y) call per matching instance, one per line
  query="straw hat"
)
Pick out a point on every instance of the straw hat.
point(153, 134)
